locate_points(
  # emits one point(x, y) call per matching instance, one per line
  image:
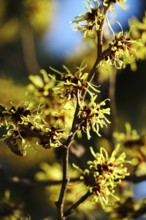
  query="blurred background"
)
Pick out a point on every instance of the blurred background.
point(36, 34)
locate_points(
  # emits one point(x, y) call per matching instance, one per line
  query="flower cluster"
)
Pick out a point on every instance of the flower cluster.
point(90, 21)
point(121, 51)
point(24, 129)
point(44, 95)
point(104, 173)
point(72, 85)
point(47, 120)
point(93, 116)
point(13, 115)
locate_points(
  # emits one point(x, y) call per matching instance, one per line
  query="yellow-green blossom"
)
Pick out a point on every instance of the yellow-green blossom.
point(121, 51)
point(72, 85)
point(23, 129)
point(103, 174)
point(90, 21)
point(93, 116)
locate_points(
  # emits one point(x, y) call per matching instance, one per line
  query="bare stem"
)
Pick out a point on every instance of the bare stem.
point(60, 202)
point(80, 201)
point(135, 179)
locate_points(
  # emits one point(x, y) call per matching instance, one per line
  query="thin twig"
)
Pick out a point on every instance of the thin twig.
point(79, 202)
point(135, 179)
point(60, 202)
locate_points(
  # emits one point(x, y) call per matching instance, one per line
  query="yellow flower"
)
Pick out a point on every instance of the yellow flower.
point(103, 174)
point(121, 50)
point(93, 116)
point(90, 21)
point(72, 85)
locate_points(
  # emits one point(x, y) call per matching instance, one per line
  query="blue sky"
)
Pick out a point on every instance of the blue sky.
point(140, 190)
point(61, 39)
